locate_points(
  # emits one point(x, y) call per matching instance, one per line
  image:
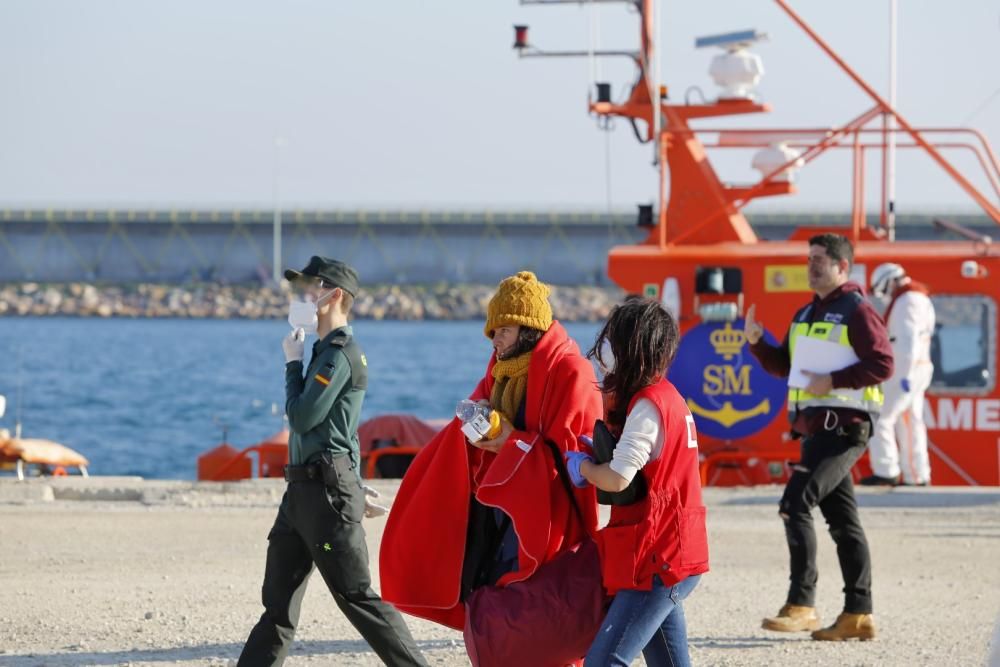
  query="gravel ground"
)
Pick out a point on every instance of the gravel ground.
point(170, 575)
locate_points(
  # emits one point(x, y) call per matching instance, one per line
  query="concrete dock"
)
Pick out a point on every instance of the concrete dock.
point(116, 571)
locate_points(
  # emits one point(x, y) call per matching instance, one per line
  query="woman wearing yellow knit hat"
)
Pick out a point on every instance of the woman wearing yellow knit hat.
point(497, 510)
point(516, 318)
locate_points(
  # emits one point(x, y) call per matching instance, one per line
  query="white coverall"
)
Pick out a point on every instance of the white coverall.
point(899, 444)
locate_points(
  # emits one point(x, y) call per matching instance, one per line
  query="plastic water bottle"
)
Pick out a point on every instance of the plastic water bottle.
point(478, 421)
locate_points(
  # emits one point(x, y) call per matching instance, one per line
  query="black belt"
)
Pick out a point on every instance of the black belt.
point(304, 473)
point(327, 469)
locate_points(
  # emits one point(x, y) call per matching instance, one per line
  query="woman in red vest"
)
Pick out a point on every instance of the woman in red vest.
point(654, 550)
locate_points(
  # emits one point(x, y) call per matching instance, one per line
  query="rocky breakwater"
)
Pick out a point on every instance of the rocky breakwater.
point(381, 302)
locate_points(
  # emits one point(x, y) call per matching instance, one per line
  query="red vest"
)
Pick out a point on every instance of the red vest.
point(908, 287)
point(664, 533)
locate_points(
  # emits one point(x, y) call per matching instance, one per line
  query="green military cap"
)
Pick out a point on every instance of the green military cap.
point(331, 271)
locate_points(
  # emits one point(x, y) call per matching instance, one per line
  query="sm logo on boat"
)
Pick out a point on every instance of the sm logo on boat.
point(727, 391)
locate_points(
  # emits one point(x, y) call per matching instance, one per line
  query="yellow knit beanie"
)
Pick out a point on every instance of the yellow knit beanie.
point(520, 299)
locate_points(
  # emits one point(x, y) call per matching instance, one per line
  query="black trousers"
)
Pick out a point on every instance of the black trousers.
point(321, 525)
point(823, 477)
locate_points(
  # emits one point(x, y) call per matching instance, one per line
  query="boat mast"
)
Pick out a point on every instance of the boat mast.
point(891, 157)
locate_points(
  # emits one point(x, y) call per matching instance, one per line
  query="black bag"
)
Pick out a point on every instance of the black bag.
point(604, 451)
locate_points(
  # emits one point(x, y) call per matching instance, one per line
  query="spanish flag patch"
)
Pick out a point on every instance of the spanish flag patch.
point(322, 380)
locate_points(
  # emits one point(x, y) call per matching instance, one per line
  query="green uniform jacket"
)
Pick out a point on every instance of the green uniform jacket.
point(324, 407)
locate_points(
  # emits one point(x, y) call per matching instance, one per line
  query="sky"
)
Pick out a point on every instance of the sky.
point(402, 104)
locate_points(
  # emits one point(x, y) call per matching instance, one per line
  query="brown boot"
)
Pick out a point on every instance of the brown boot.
point(848, 626)
point(792, 618)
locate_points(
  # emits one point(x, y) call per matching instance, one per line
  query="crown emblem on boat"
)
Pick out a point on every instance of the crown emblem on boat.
point(727, 341)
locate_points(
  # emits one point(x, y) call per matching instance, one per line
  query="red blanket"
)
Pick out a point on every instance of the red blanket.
point(424, 541)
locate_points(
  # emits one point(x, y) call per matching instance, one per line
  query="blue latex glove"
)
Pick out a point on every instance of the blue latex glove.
point(905, 384)
point(573, 461)
point(586, 440)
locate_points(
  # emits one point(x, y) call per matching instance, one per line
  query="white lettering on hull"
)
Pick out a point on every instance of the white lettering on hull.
point(963, 414)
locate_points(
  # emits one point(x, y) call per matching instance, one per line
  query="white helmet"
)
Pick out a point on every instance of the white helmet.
point(883, 275)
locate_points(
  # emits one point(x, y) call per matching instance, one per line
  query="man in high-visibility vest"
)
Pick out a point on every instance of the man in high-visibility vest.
point(901, 432)
point(833, 414)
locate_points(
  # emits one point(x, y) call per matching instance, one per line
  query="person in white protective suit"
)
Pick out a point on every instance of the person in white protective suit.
point(898, 448)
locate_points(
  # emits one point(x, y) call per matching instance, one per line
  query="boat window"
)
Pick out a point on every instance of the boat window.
point(965, 344)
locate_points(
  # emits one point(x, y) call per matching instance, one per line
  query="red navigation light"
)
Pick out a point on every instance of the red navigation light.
point(520, 37)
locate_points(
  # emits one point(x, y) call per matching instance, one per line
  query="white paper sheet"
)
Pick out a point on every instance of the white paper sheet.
point(818, 356)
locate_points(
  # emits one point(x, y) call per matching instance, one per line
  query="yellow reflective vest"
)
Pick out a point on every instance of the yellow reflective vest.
point(832, 328)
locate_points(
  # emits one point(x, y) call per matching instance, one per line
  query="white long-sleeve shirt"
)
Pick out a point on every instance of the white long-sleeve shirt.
point(641, 441)
point(911, 326)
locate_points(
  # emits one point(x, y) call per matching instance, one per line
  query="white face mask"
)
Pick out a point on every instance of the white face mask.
point(609, 360)
point(302, 314)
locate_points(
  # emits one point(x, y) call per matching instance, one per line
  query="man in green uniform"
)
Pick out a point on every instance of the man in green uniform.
point(319, 520)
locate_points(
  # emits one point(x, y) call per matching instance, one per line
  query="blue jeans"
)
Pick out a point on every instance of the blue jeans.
point(647, 621)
